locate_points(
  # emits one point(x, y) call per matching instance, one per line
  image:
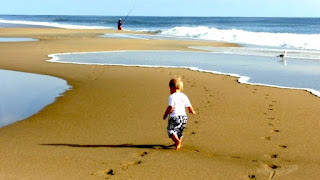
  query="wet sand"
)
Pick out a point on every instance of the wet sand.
point(109, 126)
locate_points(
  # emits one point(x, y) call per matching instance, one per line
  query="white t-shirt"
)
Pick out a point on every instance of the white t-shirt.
point(179, 102)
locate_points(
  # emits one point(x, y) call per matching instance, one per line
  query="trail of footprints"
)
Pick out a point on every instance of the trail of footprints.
point(110, 172)
point(271, 122)
point(209, 98)
point(96, 72)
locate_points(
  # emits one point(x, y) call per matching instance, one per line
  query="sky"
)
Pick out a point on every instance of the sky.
point(238, 8)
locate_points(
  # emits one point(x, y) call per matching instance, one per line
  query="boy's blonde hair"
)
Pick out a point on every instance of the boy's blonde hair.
point(176, 83)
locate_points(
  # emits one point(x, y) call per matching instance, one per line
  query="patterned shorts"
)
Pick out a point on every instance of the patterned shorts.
point(176, 125)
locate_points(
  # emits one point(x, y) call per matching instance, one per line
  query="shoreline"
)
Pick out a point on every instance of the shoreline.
point(111, 119)
point(241, 79)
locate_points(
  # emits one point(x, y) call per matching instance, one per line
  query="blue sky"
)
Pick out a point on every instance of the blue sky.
point(247, 8)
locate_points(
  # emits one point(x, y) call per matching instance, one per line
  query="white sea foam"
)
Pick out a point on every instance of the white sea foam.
point(283, 40)
point(50, 24)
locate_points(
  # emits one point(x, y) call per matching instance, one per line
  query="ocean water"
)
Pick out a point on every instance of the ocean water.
point(24, 94)
point(262, 40)
point(291, 33)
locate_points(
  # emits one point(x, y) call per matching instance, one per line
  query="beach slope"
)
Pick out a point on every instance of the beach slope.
point(109, 125)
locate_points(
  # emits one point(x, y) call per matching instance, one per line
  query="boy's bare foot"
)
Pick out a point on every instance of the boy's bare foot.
point(177, 141)
point(178, 145)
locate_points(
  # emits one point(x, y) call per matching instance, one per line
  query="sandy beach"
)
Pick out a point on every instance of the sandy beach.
point(109, 125)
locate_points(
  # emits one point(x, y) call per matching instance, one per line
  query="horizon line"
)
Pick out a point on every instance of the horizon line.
point(156, 16)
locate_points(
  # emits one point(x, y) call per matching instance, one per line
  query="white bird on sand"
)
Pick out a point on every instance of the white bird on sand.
point(283, 55)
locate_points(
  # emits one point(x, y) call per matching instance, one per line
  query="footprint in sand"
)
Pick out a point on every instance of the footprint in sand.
point(273, 156)
point(206, 89)
point(95, 73)
point(275, 131)
point(283, 146)
point(269, 124)
point(252, 176)
point(127, 165)
point(273, 166)
point(268, 138)
point(143, 154)
point(235, 157)
point(106, 173)
point(109, 172)
point(137, 162)
point(254, 91)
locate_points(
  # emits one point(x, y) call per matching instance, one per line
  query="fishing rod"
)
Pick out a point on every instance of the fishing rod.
point(129, 12)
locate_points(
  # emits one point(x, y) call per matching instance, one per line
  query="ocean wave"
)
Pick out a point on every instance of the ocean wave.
point(283, 40)
point(50, 24)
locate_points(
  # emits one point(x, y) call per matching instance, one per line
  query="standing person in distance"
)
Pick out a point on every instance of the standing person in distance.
point(120, 24)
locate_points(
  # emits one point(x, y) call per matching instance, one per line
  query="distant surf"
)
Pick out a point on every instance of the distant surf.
point(280, 40)
point(282, 33)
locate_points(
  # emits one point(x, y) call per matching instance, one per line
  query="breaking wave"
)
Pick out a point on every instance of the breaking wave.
point(281, 40)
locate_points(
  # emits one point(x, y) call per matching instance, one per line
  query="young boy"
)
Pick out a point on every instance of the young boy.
point(178, 101)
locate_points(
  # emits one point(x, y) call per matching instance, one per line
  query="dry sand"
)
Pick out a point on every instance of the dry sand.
point(109, 126)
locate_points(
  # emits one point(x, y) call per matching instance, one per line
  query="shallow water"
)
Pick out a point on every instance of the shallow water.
point(14, 39)
point(143, 36)
point(24, 94)
point(271, 71)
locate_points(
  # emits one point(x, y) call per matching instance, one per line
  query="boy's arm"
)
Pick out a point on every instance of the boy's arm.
point(167, 112)
point(191, 110)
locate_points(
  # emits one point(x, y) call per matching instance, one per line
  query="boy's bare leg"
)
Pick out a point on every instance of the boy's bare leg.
point(177, 141)
point(179, 145)
point(180, 139)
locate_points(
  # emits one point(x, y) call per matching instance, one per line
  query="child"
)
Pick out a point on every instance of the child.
point(178, 101)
